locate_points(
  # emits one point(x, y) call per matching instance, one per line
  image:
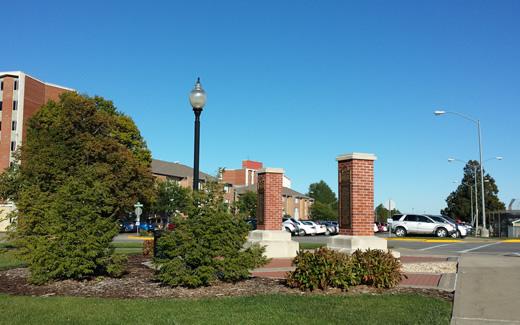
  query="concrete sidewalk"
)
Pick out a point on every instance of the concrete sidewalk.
point(487, 290)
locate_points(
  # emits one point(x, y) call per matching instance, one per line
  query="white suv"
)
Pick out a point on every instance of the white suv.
point(420, 224)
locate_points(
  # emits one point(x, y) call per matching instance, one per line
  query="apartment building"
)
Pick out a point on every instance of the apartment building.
point(173, 171)
point(21, 96)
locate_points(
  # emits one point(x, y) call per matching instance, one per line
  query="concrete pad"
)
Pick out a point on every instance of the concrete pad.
point(349, 244)
point(487, 290)
point(277, 243)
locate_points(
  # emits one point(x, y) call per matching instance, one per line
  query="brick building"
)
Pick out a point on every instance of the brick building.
point(239, 181)
point(21, 96)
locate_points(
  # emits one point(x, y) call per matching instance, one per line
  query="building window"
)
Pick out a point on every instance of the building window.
point(1, 106)
point(13, 145)
point(16, 85)
point(15, 105)
point(2, 85)
point(13, 126)
point(296, 200)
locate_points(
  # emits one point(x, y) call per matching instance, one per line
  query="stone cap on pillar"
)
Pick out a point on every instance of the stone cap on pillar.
point(271, 171)
point(356, 156)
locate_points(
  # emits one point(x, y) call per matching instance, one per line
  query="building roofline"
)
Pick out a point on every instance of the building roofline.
point(21, 73)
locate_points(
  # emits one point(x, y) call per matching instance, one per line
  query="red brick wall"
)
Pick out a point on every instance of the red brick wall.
point(7, 111)
point(361, 196)
point(256, 165)
point(272, 201)
point(53, 93)
point(234, 176)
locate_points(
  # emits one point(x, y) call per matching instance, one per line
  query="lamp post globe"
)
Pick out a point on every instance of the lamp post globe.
point(198, 96)
point(197, 101)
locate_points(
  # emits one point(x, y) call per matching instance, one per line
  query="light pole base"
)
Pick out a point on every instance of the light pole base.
point(484, 232)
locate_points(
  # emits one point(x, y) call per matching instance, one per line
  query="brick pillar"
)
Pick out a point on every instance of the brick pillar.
point(356, 194)
point(270, 205)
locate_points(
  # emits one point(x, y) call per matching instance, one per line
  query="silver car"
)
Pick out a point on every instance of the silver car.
point(405, 224)
point(461, 232)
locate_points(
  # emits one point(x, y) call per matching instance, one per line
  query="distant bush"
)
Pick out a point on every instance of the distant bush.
point(326, 268)
point(207, 246)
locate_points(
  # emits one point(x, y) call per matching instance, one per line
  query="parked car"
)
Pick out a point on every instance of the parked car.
point(405, 224)
point(252, 223)
point(461, 232)
point(332, 227)
point(126, 226)
point(303, 229)
point(376, 228)
point(319, 229)
point(289, 226)
point(146, 226)
point(381, 226)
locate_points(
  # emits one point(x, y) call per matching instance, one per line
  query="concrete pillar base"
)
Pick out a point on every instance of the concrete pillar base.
point(349, 244)
point(277, 243)
point(484, 232)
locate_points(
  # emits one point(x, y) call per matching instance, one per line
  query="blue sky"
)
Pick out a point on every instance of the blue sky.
point(296, 83)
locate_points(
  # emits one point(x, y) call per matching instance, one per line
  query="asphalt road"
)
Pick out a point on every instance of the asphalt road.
point(445, 247)
point(418, 246)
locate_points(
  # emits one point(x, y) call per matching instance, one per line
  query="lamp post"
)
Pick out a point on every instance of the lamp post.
point(197, 101)
point(485, 232)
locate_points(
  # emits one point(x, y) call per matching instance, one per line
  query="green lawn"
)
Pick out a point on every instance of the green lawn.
point(311, 245)
point(272, 309)
point(129, 248)
point(8, 260)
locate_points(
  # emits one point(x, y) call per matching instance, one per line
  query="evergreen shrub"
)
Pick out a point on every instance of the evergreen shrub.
point(207, 246)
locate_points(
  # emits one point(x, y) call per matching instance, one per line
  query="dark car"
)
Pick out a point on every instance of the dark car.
point(127, 226)
point(251, 223)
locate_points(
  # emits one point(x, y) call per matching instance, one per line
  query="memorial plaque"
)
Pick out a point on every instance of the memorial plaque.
point(345, 217)
point(261, 201)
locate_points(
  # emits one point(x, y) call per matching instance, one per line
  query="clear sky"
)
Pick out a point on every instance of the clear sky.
point(295, 83)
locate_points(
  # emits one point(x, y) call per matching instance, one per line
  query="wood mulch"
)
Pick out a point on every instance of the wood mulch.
point(139, 283)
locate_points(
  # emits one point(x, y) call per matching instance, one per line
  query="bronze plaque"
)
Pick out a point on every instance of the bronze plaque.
point(345, 217)
point(261, 201)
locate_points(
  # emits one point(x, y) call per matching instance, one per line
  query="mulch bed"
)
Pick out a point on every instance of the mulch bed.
point(139, 283)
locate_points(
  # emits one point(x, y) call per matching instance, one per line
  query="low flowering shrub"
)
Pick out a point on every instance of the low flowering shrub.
point(326, 268)
point(321, 269)
point(377, 268)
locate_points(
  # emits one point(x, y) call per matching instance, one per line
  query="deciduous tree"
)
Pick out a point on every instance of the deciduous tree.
point(83, 165)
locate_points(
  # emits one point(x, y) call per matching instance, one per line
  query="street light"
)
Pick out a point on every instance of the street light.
point(485, 232)
point(197, 101)
point(476, 188)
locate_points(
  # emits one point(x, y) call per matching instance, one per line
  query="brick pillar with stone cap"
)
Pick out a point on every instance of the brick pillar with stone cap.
point(356, 193)
point(270, 205)
point(356, 205)
point(269, 233)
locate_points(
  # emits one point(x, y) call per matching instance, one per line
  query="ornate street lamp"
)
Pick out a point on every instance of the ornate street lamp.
point(197, 101)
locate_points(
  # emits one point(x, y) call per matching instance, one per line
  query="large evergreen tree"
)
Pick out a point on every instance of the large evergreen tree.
point(459, 201)
point(83, 165)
